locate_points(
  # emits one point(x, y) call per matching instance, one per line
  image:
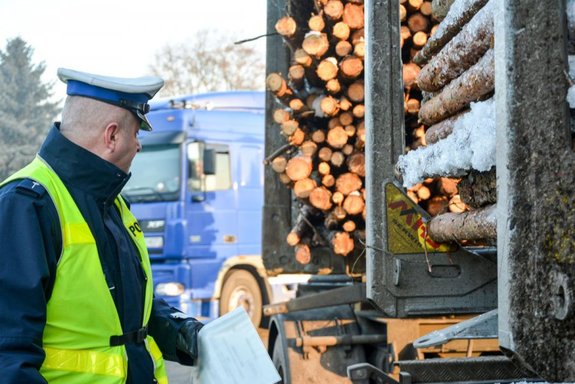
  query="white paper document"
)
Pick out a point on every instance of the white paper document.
point(231, 351)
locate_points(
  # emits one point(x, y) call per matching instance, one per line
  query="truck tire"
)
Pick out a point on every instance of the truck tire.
point(242, 289)
point(279, 359)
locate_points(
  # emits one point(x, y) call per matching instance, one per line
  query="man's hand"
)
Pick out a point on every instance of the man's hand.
point(187, 340)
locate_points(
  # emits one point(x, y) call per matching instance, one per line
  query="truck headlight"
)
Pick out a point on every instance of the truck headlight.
point(169, 289)
point(154, 241)
point(152, 225)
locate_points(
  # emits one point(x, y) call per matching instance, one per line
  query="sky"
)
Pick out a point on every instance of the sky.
point(120, 37)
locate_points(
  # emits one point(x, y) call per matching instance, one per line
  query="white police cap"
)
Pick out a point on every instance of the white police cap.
point(129, 93)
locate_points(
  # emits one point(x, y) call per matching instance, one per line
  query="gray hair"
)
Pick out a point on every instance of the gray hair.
point(84, 119)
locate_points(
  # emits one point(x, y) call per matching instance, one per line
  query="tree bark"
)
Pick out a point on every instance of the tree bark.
point(459, 54)
point(450, 27)
point(440, 8)
point(479, 224)
point(477, 81)
point(442, 129)
point(478, 189)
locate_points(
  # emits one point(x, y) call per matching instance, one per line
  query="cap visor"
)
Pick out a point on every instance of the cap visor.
point(144, 123)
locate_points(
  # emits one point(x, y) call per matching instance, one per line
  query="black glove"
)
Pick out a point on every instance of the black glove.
point(187, 340)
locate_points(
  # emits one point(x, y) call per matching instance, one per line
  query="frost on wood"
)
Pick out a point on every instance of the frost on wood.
point(464, 50)
point(460, 12)
point(476, 82)
point(470, 146)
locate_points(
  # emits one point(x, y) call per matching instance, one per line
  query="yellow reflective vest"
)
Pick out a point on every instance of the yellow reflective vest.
point(81, 315)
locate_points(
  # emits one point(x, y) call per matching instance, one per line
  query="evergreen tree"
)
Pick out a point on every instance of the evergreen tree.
point(26, 111)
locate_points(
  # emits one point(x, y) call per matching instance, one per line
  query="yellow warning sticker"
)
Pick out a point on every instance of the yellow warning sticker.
point(406, 227)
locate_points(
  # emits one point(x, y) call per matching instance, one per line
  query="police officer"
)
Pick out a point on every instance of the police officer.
point(76, 294)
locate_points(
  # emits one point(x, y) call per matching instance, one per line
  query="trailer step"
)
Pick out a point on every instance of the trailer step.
point(485, 369)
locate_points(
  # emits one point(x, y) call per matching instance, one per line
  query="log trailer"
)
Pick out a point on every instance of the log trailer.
point(426, 180)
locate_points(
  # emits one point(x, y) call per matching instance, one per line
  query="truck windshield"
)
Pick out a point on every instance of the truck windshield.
point(155, 174)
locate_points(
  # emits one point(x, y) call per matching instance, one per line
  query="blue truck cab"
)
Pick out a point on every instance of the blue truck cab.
point(197, 192)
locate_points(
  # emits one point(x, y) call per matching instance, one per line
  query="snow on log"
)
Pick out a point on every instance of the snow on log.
point(480, 224)
point(470, 146)
point(463, 51)
point(460, 12)
point(477, 81)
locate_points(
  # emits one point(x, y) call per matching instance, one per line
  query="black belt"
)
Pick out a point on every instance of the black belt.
point(134, 337)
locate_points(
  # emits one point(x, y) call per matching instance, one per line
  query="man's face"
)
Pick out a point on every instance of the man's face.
point(128, 143)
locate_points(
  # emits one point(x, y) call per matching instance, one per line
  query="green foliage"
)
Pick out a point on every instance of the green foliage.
point(26, 111)
point(211, 62)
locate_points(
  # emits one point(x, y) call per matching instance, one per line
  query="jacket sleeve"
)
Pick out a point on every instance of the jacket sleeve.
point(28, 257)
point(164, 327)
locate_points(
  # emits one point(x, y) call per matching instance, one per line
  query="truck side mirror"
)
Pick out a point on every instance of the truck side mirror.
point(209, 162)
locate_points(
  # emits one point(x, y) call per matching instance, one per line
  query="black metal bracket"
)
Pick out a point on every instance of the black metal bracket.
point(365, 373)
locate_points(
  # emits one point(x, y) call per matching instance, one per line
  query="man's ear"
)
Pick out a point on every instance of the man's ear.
point(111, 136)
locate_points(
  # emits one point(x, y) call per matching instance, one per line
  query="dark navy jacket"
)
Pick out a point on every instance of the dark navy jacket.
point(31, 243)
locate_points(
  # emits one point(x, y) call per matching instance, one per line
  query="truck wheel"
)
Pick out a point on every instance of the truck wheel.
point(242, 289)
point(279, 359)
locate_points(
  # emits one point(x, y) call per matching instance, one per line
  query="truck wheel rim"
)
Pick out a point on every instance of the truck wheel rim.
point(241, 297)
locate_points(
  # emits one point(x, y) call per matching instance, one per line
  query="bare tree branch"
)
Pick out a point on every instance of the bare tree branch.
point(211, 62)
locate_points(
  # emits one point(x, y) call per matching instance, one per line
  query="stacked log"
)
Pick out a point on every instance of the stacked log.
point(417, 26)
point(436, 195)
point(458, 69)
point(320, 113)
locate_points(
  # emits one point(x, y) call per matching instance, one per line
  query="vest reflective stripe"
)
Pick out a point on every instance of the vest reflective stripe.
point(161, 374)
point(81, 314)
point(93, 362)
